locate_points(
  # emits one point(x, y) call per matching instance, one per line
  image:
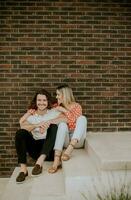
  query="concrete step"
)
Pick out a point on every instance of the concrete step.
point(78, 171)
point(80, 164)
point(111, 149)
point(84, 179)
point(48, 186)
point(15, 191)
point(89, 171)
point(45, 186)
point(3, 183)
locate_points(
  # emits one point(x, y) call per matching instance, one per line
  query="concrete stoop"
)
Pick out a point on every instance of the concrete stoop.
point(17, 191)
point(46, 186)
point(100, 165)
point(111, 149)
point(78, 172)
point(3, 183)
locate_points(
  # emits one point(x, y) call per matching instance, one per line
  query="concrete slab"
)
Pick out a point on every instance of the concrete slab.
point(112, 149)
point(79, 164)
point(79, 172)
point(3, 184)
point(84, 179)
point(16, 191)
point(88, 187)
point(48, 185)
point(89, 171)
point(44, 186)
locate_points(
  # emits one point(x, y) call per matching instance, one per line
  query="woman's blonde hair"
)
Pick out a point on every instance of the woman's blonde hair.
point(67, 94)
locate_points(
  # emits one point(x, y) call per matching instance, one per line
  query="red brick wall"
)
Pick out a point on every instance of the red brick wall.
point(84, 43)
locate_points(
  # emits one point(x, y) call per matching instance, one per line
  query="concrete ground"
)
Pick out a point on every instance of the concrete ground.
point(102, 166)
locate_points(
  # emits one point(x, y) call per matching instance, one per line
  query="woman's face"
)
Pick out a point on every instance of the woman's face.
point(41, 102)
point(59, 97)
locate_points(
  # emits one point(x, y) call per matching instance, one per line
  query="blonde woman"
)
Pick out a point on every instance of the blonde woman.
point(70, 133)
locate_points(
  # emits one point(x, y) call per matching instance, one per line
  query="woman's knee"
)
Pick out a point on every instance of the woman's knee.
point(82, 119)
point(63, 126)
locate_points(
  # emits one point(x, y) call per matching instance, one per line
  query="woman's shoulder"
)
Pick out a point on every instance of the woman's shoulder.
point(75, 105)
point(53, 111)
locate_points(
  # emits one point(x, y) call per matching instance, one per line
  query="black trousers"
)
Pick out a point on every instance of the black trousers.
point(25, 143)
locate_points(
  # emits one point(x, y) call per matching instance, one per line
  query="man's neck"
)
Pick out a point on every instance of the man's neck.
point(42, 112)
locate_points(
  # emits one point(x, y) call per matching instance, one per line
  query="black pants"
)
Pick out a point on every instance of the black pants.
point(25, 143)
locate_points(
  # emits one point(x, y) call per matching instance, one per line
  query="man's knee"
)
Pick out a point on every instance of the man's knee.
point(20, 133)
point(53, 128)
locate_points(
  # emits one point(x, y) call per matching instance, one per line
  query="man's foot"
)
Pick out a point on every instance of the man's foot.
point(21, 177)
point(37, 170)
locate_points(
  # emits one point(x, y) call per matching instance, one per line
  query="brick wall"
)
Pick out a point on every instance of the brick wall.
point(85, 43)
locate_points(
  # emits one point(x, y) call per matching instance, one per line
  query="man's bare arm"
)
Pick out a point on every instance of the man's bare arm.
point(27, 126)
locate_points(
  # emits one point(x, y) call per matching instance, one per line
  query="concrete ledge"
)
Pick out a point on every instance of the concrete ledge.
point(48, 186)
point(112, 149)
point(79, 164)
point(45, 186)
point(3, 184)
point(15, 191)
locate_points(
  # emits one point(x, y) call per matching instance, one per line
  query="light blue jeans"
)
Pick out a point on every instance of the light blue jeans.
point(64, 136)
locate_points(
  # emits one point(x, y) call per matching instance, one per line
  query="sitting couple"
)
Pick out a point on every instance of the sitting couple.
point(46, 129)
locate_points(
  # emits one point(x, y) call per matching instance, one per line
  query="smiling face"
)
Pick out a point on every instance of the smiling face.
point(41, 102)
point(59, 97)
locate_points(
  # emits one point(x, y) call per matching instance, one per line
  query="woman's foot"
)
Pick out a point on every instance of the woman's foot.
point(67, 154)
point(57, 163)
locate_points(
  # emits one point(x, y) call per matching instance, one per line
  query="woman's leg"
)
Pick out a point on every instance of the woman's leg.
point(62, 133)
point(57, 162)
point(78, 137)
point(80, 131)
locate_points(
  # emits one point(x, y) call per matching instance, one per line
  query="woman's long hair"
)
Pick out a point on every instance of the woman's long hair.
point(43, 92)
point(67, 94)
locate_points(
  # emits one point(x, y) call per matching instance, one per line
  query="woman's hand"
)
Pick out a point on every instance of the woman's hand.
point(31, 111)
point(60, 109)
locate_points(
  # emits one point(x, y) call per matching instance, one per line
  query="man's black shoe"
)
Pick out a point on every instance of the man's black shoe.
point(21, 177)
point(36, 170)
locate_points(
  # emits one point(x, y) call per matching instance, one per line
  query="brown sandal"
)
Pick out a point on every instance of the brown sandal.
point(66, 156)
point(54, 169)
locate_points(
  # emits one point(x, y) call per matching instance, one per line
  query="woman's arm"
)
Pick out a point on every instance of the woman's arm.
point(44, 125)
point(74, 112)
point(60, 118)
